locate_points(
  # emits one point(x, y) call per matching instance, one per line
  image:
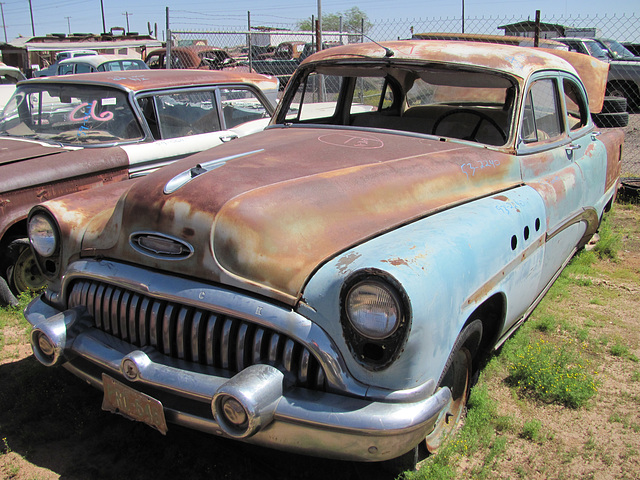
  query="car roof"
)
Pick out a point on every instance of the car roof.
point(96, 60)
point(143, 80)
point(513, 60)
point(476, 37)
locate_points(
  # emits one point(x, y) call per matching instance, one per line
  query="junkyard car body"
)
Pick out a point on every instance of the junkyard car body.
point(198, 57)
point(326, 285)
point(9, 76)
point(100, 63)
point(624, 70)
point(66, 134)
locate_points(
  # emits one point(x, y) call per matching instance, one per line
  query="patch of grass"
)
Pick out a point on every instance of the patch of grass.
point(531, 430)
point(545, 323)
point(552, 374)
point(596, 301)
point(609, 243)
point(635, 376)
point(619, 350)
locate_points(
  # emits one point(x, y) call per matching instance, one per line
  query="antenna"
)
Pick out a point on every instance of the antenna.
point(387, 51)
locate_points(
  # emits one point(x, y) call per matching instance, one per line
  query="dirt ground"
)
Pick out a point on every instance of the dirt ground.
point(52, 426)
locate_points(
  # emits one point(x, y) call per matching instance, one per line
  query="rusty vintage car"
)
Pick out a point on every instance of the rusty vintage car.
point(60, 135)
point(328, 285)
point(194, 57)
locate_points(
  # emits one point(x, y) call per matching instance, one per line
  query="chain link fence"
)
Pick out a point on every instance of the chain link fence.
point(278, 49)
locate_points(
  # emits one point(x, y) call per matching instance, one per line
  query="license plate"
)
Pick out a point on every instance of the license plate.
point(132, 404)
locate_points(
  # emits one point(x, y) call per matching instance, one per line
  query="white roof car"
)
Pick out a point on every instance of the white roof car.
point(9, 76)
point(100, 63)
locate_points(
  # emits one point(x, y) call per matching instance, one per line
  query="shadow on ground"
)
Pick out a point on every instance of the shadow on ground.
point(54, 421)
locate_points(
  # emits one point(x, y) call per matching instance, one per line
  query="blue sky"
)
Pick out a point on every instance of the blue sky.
point(62, 16)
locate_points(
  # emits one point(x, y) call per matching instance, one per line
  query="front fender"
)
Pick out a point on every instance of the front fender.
point(448, 264)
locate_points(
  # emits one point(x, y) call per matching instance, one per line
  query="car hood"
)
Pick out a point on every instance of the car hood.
point(269, 209)
point(17, 149)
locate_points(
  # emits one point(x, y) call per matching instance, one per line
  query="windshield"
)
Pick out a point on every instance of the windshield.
point(596, 50)
point(70, 115)
point(617, 50)
point(447, 102)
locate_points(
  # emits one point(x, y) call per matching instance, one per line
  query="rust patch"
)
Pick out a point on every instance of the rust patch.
point(396, 262)
point(344, 262)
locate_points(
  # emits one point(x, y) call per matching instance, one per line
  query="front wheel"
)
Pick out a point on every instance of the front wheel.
point(457, 377)
point(23, 273)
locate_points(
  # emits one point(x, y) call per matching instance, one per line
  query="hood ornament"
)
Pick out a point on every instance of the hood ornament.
point(185, 177)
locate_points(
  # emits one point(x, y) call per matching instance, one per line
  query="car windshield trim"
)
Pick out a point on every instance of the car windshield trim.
point(71, 114)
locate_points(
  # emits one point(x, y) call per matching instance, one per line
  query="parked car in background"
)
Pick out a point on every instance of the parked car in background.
point(9, 76)
point(329, 285)
point(284, 51)
point(71, 133)
point(617, 50)
point(200, 57)
point(60, 56)
point(634, 48)
point(624, 70)
point(284, 67)
point(100, 63)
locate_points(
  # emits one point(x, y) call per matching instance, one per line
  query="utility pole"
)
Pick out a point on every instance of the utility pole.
point(104, 26)
point(3, 24)
point(126, 14)
point(33, 28)
point(69, 24)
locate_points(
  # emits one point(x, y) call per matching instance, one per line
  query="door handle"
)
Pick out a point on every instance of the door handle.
point(571, 147)
point(228, 138)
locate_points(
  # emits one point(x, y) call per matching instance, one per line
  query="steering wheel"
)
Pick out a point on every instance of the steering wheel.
point(483, 117)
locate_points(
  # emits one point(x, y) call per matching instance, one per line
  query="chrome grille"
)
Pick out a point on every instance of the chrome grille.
point(194, 334)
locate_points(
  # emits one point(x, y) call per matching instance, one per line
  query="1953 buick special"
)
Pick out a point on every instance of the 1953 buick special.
point(328, 285)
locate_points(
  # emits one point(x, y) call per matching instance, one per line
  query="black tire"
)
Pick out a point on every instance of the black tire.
point(611, 120)
point(6, 296)
point(614, 104)
point(457, 375)
point(23, 273)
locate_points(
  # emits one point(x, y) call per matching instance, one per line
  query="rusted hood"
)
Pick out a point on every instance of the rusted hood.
point(288, 199)
point(15, 150)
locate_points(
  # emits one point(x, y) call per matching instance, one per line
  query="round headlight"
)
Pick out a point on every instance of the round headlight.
point(373, 309)
point(42, 234)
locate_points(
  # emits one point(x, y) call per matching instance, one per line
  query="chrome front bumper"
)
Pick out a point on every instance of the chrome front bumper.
point(256, 405)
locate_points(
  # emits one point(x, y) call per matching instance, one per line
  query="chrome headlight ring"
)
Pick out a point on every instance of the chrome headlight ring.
point(376, 316)
point(44, 237)
point(43, 234)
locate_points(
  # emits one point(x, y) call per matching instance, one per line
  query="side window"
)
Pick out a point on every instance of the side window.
point(316, 99)
point(65, 69)
point(577, 112)
point(371, 93)
point(83, 68)
point(542, 115)
point(186, 113)
point(154, 61)
point(240, 105)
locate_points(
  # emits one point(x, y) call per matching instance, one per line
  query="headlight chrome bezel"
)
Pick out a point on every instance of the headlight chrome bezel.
point(375, 348)
point(51, 243)
point(47, 257)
